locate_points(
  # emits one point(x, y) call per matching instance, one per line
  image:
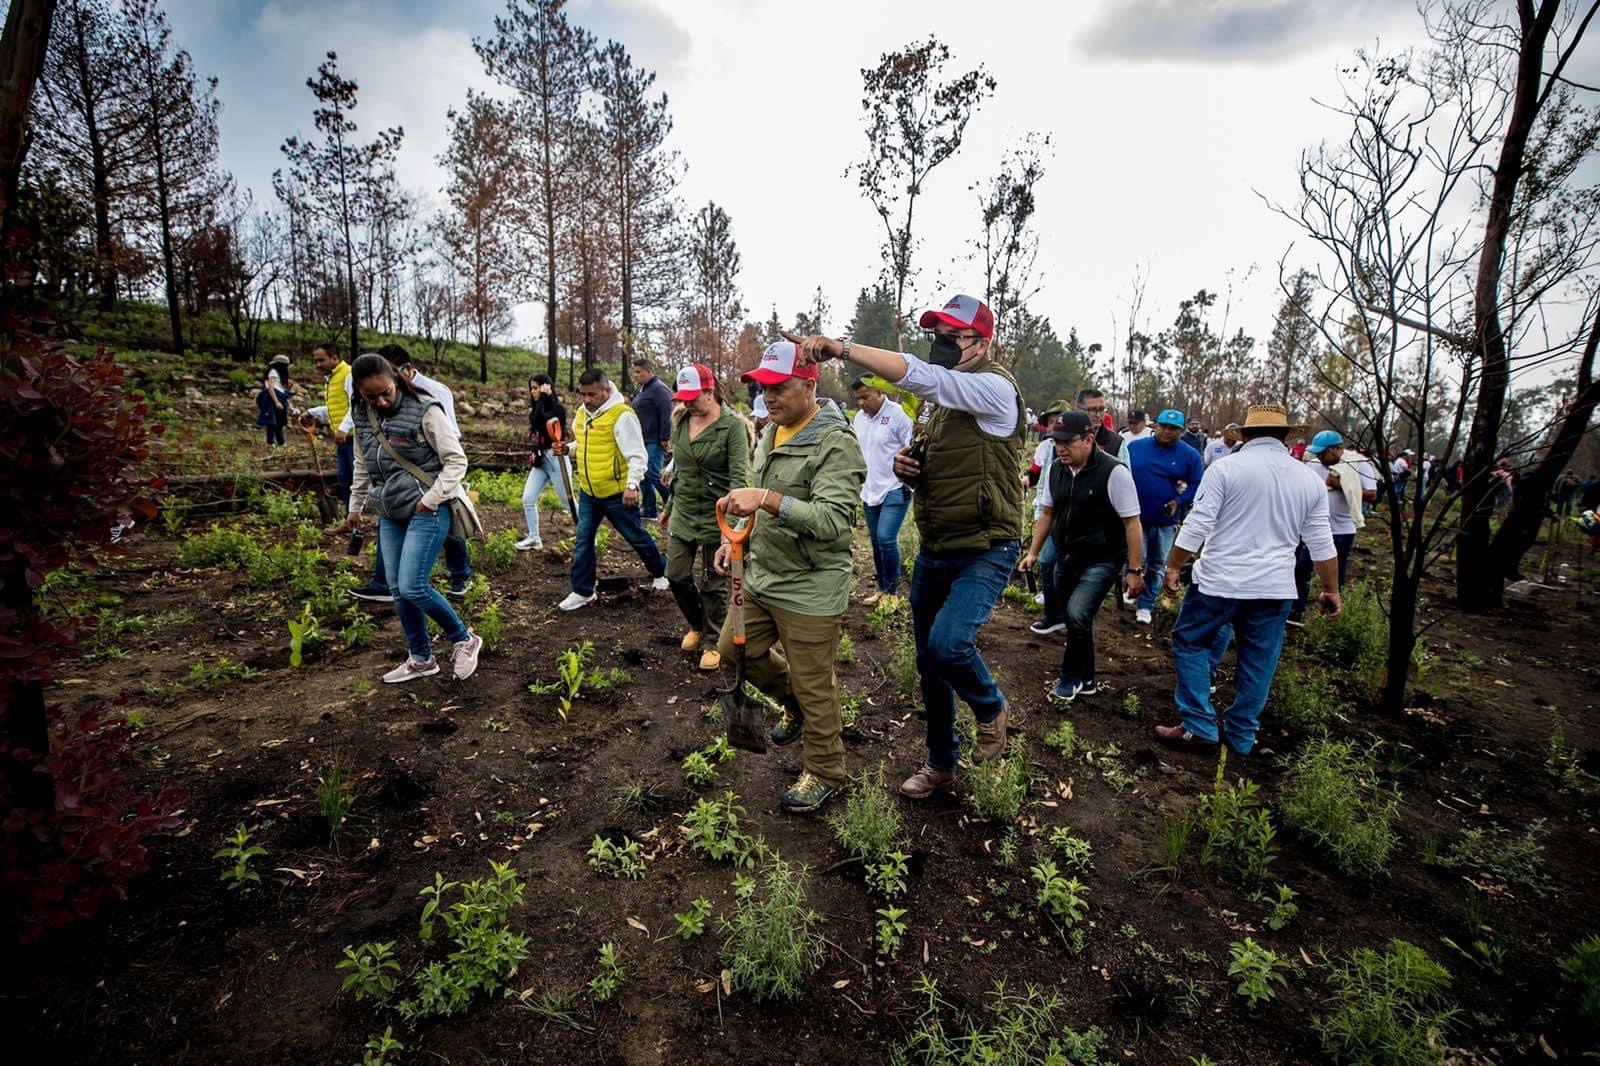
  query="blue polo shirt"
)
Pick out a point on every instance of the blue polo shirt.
point(1156, 473)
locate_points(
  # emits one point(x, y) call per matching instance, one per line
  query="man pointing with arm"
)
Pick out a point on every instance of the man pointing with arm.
point(964, 461)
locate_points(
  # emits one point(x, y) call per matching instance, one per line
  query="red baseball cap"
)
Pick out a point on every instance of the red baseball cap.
point(692, 381)
point(778, 365)
point(962, 312)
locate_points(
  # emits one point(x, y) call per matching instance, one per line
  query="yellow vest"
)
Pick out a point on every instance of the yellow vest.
point(602, 469)
point(338, 402)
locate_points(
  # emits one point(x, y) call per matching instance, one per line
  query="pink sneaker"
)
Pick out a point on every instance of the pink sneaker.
point(410, 670)
point(467, 656)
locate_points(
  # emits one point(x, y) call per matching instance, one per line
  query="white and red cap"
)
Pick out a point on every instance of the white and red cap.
point(778, 365)
point(962, 312)
point(692, 381)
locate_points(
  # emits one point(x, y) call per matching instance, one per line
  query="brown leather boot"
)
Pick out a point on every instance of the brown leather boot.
point(925, 782)
point(992, 737)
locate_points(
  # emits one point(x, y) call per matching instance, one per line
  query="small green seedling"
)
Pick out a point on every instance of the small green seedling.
point(239, 852)
point(693, 923)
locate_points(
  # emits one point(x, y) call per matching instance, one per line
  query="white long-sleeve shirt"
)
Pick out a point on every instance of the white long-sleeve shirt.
point(439, 391)
point(990, 398)
point(1252, 511)
point(880, 436)
point(628, 433)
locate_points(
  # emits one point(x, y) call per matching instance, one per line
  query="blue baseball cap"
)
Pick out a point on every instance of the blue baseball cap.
point(1171, 417)
point(1328, 438)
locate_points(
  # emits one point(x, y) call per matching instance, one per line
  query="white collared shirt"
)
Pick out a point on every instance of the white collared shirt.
point(1252, 511)
point(880, 436)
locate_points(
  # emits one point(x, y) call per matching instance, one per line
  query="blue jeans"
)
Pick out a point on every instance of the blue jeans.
point(1157, 546)
point(624, 520)
point(1047, 580)
point(547, 471)
point(883, 529)
point(952, 596)
point(1258, 630)
point(1083, 588)
point(344, 460)
point(413, 546)
point(456, 560)
point(652, 486)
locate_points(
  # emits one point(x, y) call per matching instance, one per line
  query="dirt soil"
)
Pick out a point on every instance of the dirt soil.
point(451, 776)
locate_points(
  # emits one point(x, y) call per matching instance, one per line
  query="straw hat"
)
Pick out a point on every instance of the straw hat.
point(1264, 416)
point(278, 360)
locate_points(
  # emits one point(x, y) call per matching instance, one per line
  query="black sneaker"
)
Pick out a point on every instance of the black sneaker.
point(458, 587)
point(1089, 688)
point(373, 593)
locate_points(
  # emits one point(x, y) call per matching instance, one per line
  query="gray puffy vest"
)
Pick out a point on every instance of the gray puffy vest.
point(392, 490)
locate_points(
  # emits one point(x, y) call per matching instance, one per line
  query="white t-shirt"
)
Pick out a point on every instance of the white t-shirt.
point(1120, 488)
point(1130, 435)
point(1339, 518)
point(880, 436)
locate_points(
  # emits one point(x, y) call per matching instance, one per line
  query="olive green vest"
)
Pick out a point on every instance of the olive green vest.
point(970, 492)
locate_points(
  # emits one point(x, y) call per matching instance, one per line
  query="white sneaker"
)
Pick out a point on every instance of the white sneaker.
point(1142, 616)
point(660, 584)
point(574, 601)
point(530, 544)
point(410, 670)
point(1038, 597)
point(1129, 601)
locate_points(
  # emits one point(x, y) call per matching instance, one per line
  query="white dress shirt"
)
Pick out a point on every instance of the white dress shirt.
point(989, 398)
point(1253, 510)
point(880, 436)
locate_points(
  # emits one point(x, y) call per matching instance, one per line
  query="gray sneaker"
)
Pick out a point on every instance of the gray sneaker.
point(466, 656)
point(410, 670)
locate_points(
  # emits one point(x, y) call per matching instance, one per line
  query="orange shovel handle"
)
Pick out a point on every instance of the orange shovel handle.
point(736, 537)
point(553, 428)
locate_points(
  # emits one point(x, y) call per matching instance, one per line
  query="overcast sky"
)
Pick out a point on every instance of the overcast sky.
point(1170, 120)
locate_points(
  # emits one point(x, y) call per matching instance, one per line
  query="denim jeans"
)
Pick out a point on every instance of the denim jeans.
point(952, 596)
point(344, 460)
point(547, 471)
point(456, 560)
point(1082, 587)
point(883, 529)
point(413, 546)
point(1304, 567)
point(652, 487)
point(1258, 631)
point(624, 520)
point(1047, 581)
point(1157, 546)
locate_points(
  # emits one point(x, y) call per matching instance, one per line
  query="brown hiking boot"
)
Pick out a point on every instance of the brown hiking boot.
point(992, 737)
point(925, 782)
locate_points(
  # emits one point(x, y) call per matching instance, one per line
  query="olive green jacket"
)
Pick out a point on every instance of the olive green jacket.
point(799, 559)
point(703, 470)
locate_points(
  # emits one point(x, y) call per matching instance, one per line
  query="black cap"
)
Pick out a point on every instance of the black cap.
point(1071, 426)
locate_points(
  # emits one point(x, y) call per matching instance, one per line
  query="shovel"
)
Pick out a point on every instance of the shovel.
point(553, 427)
point(746, 727)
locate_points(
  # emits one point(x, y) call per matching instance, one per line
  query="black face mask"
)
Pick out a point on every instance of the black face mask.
point(946, 351)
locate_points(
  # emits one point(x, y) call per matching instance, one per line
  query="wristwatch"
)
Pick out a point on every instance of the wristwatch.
point(1130, 569)
point(848, 343)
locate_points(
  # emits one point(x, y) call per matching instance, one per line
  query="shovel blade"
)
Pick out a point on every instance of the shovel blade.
point(747, 729)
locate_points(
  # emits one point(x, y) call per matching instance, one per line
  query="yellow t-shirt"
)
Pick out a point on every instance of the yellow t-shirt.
point(783, 433)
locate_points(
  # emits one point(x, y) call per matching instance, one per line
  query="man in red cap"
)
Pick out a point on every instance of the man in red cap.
point(964, 461)
point(808, 472)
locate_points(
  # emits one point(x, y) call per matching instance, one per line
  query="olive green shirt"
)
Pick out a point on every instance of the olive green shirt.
point(703, 470)
point(799, 559)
